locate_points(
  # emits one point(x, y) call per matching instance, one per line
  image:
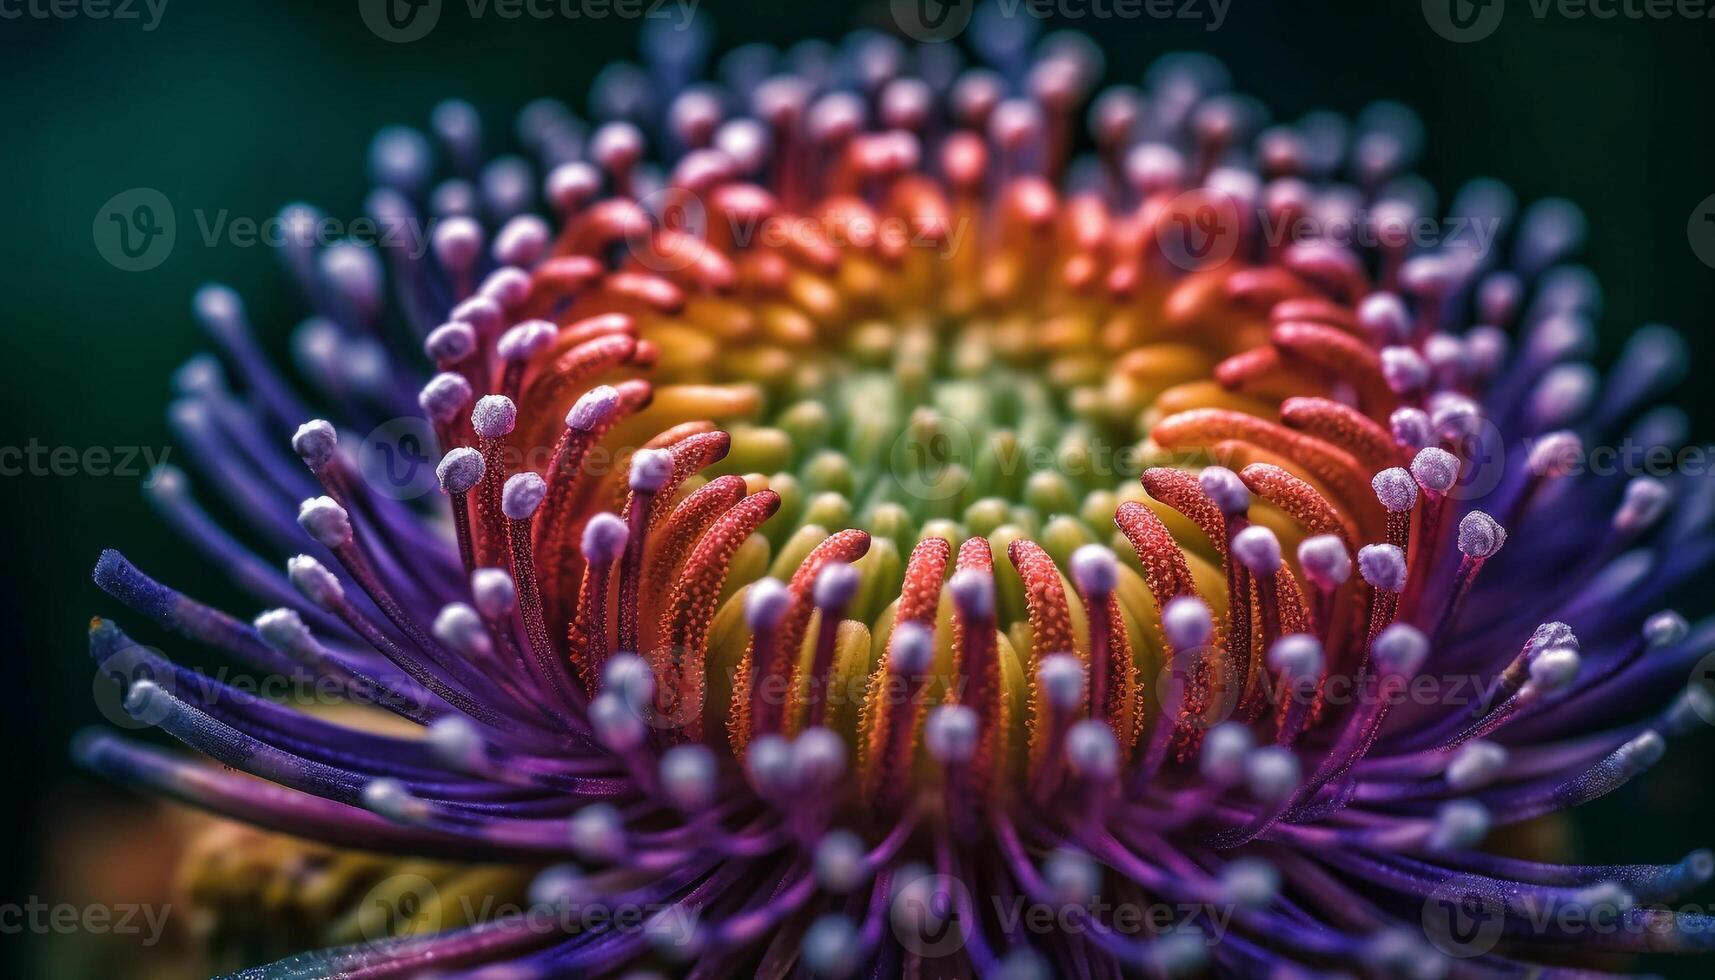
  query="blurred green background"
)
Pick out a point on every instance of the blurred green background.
point(243, 106)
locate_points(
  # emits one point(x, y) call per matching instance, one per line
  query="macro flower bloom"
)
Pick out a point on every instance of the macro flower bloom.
point(883, 530)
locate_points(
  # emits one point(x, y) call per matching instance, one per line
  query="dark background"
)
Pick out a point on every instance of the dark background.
point(244, 106)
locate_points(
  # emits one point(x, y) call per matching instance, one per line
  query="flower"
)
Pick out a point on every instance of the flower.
point(877, 525)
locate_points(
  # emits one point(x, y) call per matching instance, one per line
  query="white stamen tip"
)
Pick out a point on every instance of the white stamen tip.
point(616, 722)
point(912, 650)
point(1092, 751)
point(1395, 488)
point(445, 396)
point(818, 758)
point(1226, 489)
point(1062, 678)
point(1272, 773)
point(1435, 469)
point(460, 469)
point(688, 776)
point(836, 584)
point(325, 521)
point(1459, 824)
point(1257, 549)
point(650, 470)
point(315, 442)
point(598, 833)
point(1225, 749)
point(521, 496)
point(458, 626)
point(604, 539)
point(493, 592)
point(951, 734)
point(840, 861)
point(1475, 765)
point(1382, 566)
point(1480, 535)
point(766, 603)
point(494, 416)
point(313, 581)
point(1400, 649)
point(1325, 561)
point(1187, 623)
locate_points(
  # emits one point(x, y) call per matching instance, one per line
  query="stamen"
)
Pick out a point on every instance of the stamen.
point(523, 493)
point(766, 604)
point(1479, 538)
point(492, 419)
point(460, 470)
point(650, 471)
point(681, 664)
point(603, 541)
point(449, 344)
point(1475, 764)
point(688, 777)
point(1297, 660)
point(1188, 626)
point(976, 662)
point(836, 584)
point(897, 713)
point(1383, 568)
